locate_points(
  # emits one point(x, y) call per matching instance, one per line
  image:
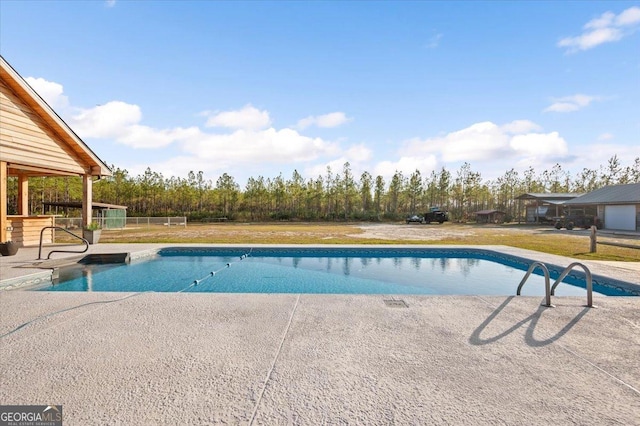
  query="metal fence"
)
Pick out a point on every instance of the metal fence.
point(156, 221)
point(118, 223)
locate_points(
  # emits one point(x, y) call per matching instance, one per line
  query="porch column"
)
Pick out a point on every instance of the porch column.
point(23, 195)
point(3, 201)
point(87, 197)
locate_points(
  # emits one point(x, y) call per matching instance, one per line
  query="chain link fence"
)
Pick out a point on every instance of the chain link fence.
point(72, 223)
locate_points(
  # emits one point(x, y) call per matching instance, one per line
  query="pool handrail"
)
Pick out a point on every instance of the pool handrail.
point(86, 243)
point(588, 278)
point(547, 285)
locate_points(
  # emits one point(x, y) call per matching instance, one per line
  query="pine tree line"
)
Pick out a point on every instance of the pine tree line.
point(334, 196)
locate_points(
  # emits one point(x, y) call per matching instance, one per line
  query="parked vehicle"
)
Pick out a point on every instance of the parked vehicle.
point(415, 219)
point(436, 215)
point(578, 220)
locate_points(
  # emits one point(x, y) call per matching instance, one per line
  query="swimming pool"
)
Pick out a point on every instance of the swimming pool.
point(326, 270)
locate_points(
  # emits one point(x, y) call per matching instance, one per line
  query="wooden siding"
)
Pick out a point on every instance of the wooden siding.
point(26, 139)
point(26, 229)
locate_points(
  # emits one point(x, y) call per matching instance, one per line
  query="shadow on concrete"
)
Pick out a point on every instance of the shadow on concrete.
point(532, 319)
point(61, 311)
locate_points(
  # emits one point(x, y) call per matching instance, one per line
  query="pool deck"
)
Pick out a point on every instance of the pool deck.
point(197, 358)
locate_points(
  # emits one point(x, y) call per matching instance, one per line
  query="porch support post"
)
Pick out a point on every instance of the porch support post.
point(23, 195)
point(87, 199)
point(3, 202)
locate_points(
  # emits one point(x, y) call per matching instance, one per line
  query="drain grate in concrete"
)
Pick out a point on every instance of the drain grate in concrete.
point(393, 303)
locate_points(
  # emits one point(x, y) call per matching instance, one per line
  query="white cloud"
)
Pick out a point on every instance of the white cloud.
point(629, 17)
point(358, 154)
point(249, 118)
point(110, 3)
point(333, 119)
point(479, 141)
point(603, 21)
point(570, 103)
point(51, 92)
point(606, 28)
point(120, 121)
point(520, 141)
point(536, 145)
point(249, 146)
point(106, 121)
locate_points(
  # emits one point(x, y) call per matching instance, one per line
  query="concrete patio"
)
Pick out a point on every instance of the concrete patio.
point(166, 358)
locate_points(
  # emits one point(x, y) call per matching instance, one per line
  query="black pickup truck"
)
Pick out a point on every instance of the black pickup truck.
point(436, 215)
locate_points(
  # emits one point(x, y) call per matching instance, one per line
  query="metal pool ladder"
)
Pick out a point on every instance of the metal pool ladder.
point(549, 290)
point(588, 277)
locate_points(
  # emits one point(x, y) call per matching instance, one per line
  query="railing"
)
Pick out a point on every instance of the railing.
point(588, 277)
point(86, 243)
point(593, 242)
point(547, 285)
point(550, 290)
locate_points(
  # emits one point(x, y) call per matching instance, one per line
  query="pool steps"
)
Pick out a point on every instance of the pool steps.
point(104, 258)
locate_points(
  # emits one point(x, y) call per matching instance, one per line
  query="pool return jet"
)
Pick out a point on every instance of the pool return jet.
point(214, 273)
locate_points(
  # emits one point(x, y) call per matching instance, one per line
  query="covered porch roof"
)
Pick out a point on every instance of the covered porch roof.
point(36, 142)
point(20, 163)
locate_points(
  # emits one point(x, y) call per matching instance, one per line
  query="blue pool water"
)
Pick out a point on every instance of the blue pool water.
point(339, 271)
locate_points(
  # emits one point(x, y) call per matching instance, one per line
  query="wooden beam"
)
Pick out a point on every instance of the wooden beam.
point(631, 246)
point(16, 169)
point(3, 201)
point(23, 195)
point(87, 199)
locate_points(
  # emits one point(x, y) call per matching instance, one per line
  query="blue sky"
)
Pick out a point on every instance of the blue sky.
point(262, 88)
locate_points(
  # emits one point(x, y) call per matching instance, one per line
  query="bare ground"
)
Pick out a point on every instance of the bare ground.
point(414, 232)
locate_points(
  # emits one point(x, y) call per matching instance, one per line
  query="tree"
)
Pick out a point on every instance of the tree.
point(366, 183)
point(444, 187)
point(611, 175)
point(379, 195)
point(414, 191)
point(228, 191)
point(349, 189)
point(395, 189)
point(508, 185)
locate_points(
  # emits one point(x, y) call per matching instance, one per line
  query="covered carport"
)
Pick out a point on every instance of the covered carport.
point(36, 142)
point(542, 206)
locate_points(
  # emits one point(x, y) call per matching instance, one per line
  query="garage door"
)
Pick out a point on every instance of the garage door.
point(620, 217)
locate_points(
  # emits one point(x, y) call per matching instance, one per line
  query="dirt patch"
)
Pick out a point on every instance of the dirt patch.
point(412, 232)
